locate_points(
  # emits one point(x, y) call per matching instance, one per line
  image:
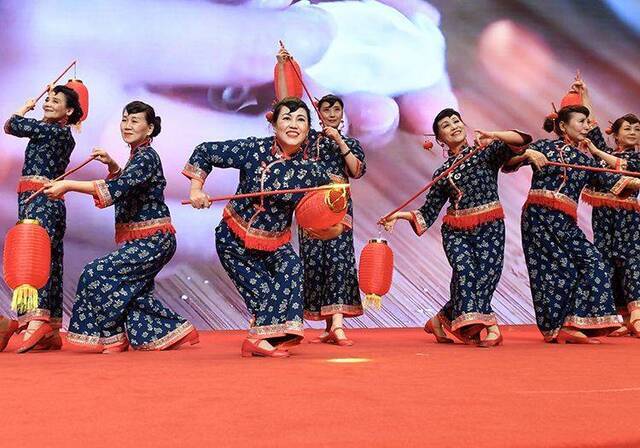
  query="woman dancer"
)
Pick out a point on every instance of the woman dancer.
point(115, 306)
point(331, 289)
point(569, 282)
point(473, 230)
point(46, 157)
point(252, 240)
point(616, 220)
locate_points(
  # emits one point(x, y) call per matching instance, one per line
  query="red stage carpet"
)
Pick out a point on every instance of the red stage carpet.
point(393, 388)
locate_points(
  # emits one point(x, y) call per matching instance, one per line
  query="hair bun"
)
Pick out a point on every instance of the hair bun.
point(157, 126)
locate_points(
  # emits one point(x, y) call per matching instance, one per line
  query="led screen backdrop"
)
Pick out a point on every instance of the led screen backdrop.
point(207, 68)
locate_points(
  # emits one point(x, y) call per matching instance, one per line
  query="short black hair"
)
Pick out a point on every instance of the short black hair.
point(331, 99)
point(444, 113)
point(552, 124)
point(293, 104)
point(136, 107)
point(72, 101)
point(629, 118)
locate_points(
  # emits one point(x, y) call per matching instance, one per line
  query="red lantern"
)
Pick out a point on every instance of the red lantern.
point(83, 94)
point(287, 77)
point(322, 209)
point(375, 271)
point(571, 99)
point(427, 145)
point(27, 262)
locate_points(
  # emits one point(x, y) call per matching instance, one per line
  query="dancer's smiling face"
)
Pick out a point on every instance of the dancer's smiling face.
point(331, 114)
point(628, 135)
point(451, 131)
point(292, 127)
point(55, 107)
point(134, 128)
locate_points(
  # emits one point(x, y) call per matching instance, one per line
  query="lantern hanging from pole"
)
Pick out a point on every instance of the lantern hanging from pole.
point(286, 77)
point(26, 263)
point(375, 271)
point(322, 209)
point(81, 89)
point(571, 99)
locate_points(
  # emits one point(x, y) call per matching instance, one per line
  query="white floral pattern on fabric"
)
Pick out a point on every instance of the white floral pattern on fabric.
point(46, 157)
point(330, 274)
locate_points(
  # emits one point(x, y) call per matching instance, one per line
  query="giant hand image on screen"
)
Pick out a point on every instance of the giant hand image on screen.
point(211, 79)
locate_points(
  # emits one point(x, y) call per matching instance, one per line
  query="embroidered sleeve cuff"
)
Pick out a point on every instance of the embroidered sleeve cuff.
point(193, 172)
point(621, 164)
point(347, 222)
point(417, 222)
point(621, 185)
point(101, 196)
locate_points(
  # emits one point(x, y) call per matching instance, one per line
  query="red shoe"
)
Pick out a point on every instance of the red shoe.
point(333, 338)
point(250, 349)
point(84, 348)
point(41, 334)
point(486, 343)
point(462, 337)
point(289, 343)
point(117, 347)
point(7, 328)
point(634, 330)
point(472, 332)
point(192, 338)
point(465, 337)
point(326, 339)
point(430, 329)
point(622, 331)
point(52, 343)
point(570, 337)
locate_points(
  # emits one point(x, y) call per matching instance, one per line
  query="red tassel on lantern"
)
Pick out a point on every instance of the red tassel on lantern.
point(375, 271)
point(83, 94)
point(571, 99)
point(27, 262)
point(286, 77)
point(322, 209)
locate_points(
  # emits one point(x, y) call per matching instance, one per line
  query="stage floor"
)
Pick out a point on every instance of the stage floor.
point(393, 388)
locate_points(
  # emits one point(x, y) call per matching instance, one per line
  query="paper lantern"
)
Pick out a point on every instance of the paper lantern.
point(83, 94)
point(375, 271)
point(322, 209)
point(571, 99)
point(287, 78)
point(27, 262)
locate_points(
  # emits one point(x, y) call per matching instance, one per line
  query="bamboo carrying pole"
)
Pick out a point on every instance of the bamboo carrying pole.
point(271, 193)
point(56, 80)
point(68, 173)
